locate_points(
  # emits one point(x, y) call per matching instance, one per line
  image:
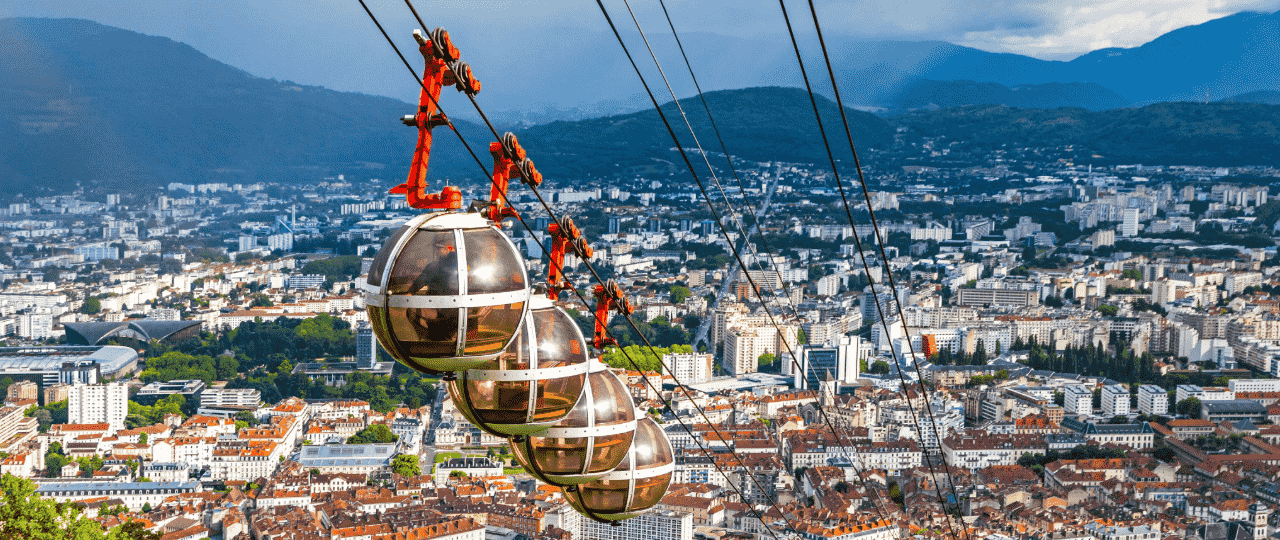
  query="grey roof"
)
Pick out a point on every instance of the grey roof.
point(1233, 406)
point(329, 455)
point(1223, 530)
point(94, 333)
point(1088, 428)
point(115, 487)
point(111, 358)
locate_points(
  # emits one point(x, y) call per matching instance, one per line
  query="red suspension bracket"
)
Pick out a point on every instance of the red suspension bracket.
point(442, 68)
point(608, 297)
point(563, 237)
point(509, 161)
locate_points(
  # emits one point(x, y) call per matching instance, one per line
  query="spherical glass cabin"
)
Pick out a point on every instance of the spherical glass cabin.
point(591, 441)
point(447, 292)
point(636, 485)
point(532, 385)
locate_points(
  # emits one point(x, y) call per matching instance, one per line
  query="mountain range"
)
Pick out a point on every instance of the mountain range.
point(84, 103)
point(1207, 62)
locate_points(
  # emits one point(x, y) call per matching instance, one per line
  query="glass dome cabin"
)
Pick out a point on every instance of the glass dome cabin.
point(636, 485)
point(591, 441)
point(447, 292)
point(532, 385)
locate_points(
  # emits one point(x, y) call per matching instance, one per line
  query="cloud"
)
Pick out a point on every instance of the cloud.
point(1041, 28)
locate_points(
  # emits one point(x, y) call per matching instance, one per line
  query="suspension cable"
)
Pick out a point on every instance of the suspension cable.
point(714, 177)
point(888, 270)
point(706, 197)
point(858, 243)
point(627, 355)
point(681, 109)
point(630, 322)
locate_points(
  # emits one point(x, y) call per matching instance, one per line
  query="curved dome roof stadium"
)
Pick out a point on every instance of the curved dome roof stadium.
point(140, 330)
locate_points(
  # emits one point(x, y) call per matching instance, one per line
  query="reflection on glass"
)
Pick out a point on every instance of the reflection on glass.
point(612, 402)
point(492, 266)
point(560, 342)
point(425, 332)
point(556, 396)
point(651, 446)
point(605, 496)
point(491, 328)
point(379, 263)
point(427, 266)
point(553, 455)
point(610, 451)
point(649, 491)
point(492, 402)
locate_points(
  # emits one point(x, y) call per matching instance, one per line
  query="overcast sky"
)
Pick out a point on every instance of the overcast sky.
point(332, 43)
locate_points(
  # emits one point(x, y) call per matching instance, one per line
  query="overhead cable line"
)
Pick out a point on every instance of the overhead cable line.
point(888, 270)
point(658, 64)
point(746, 238)
point(631, 360)
point(866, 268)
point(707, 198)
point(604, 324)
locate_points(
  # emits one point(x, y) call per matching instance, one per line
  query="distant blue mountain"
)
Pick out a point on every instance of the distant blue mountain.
point(1206, 62)
point(1265, 97)
point(84, 102)
point(1211, 61)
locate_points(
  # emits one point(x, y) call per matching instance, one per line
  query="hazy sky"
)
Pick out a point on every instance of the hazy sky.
point(332, 43)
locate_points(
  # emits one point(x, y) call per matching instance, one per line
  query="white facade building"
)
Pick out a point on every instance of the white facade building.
point(98, 403)
point(1115, 400)
point(688, 368)
point(1153, 400)
point(1079, 400)
point(1129, 222)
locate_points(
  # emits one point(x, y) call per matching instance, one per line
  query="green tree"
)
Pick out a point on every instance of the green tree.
point(24, 514)
point(377, 433)
point(679, 294)
point(406, 465)
point(766, 360)
point(879, 367)
point(91, 306)
point(1189, 407)
point(134, 530)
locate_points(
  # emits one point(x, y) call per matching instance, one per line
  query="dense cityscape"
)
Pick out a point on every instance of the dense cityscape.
point(1059, 351)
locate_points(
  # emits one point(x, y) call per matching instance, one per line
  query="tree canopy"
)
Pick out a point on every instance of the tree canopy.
point(643, 357)
point(377, 433)
point(24, 514)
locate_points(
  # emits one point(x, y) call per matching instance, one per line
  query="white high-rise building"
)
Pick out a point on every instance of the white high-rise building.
point(743, 347)
point(841, 357)
point(1153, 399)
point(35, 325)
point(98, 403)
point(1079, 400)
point(1115, 400)
point(688, 368)
point(1129, 223)
point(282, 241)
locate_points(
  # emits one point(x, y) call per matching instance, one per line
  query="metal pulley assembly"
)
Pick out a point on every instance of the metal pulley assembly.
point(636, 485)
point(447, 292)
point(592, 440)
point(532, 385)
